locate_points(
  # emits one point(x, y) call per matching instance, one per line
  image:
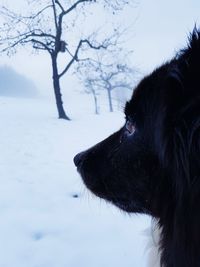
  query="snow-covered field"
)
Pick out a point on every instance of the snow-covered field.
point(42, 222)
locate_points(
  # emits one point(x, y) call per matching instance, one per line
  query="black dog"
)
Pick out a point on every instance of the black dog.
point(152, 164)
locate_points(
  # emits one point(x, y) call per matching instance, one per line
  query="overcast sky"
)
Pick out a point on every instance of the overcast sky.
point(160, 29)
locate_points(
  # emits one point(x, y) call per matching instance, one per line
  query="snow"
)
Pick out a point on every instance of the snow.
point(42, 224)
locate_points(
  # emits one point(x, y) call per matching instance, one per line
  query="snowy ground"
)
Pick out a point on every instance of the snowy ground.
point(42, 224)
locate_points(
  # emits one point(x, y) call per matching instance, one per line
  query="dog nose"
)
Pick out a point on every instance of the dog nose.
point(78, 158)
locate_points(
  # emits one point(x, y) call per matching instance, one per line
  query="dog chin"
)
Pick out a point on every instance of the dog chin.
point(130, 207)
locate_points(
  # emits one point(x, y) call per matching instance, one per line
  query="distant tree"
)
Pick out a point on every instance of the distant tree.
point(46, 26)
point(106, 73)
point(90, 87)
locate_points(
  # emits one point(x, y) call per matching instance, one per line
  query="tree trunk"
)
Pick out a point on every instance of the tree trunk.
point(95, 103)
point(57, 91)
point(110, 100)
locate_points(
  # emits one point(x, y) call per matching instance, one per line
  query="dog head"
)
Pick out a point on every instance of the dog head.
point(153, 160)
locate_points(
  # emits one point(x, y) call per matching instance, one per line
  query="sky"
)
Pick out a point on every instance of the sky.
point(162, 29)
point(158, 29)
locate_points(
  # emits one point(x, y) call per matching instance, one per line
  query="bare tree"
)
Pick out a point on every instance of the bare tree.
point(43, 28)
point(91, 88)
point(107, 74)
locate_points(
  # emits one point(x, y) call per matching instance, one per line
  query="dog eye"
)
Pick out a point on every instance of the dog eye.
point(130, 127)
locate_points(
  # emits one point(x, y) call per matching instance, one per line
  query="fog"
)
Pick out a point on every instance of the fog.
point(14, 84)
point(157, 29)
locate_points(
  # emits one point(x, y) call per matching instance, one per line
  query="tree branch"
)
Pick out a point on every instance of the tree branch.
point(25, 39)
point(54, 14)
point(14, 15)
point(96, 47)
point(42, 44)
point(37, 14)
point(29, 34)
point(75, 56)
point(59, 4)
point(65, 12)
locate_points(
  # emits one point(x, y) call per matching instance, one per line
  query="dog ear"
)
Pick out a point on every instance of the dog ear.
point(178, 130)
point(191, 54)
point(174, 89)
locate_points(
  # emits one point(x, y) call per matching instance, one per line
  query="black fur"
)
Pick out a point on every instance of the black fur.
point(156, 168)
